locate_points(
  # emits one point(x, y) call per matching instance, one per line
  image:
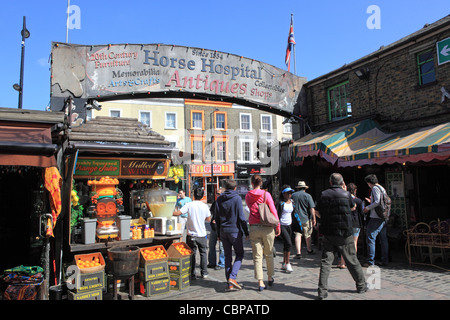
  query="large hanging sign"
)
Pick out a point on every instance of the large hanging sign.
point(121, 168)
point(112, 70)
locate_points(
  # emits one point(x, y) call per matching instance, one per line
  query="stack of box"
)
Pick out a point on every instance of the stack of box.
point(88, 282)
point(153, 271)
point(179, 265)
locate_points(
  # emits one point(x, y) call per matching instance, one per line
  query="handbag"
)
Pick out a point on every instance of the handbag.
point(267, 218)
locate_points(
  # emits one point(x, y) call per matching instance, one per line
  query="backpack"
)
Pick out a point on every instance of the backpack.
point(384, 209)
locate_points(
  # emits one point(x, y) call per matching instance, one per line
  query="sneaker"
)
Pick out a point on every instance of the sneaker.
point(234, 283)
point(363, 290)
point(204, 276)
point(289, 268)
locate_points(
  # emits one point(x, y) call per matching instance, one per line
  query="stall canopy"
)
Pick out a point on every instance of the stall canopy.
point(423, 144)
point(364, 143)
point(26, 137)
point(337, 143)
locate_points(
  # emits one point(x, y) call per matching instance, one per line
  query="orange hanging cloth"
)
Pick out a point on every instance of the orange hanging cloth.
point(53, 185)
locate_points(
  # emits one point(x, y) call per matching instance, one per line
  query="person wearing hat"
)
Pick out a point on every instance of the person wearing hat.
point(304, 206)
point(285, 209)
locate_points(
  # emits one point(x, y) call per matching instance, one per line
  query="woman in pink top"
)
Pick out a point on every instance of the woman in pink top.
point(261, 237)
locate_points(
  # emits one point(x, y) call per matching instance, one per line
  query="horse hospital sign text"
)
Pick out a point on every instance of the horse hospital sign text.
point(102, 71)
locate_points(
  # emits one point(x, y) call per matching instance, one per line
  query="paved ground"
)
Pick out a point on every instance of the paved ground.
point(398, 281)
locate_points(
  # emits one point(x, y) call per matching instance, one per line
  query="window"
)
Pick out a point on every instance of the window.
point(246, 122)
point(246, 151)
point(88, 114)
point(339, 106)
point(425, 64)
point(287, 128)
point(266, 123)
point(171, 120)
point(220, 119)
point(197, 147)
point(197, 120)
point(146, 118)
point(221, 151)
point(114, 113)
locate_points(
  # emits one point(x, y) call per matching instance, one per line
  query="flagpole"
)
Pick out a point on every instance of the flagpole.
point(67, 22)
point(295, 64)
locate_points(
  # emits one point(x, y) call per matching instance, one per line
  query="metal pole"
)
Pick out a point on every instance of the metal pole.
point(67, 22)
point(212, 157)
point(295, 63)
point(22, 62)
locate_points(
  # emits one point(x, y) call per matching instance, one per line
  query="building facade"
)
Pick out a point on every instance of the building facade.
point(399, 95)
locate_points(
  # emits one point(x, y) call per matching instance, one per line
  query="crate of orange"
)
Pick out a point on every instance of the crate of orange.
point(179, 258)
point(90, 263)
point(153, 263)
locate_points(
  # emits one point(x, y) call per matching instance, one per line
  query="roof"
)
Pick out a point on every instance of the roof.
point(35, 116)
point(119, 135)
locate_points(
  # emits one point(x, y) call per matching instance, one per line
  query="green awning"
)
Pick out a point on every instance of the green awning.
point(337, 143)
point(423, 144)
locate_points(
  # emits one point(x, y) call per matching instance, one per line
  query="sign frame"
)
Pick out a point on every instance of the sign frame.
point(443, 51)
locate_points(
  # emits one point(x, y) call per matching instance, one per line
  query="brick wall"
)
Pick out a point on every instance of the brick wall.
point(391, 94)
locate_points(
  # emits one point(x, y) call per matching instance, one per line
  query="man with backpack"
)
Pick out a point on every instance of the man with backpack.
point(376, 226)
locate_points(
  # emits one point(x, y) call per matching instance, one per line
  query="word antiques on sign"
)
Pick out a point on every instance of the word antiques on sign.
point(122, 168)
point(111, 70)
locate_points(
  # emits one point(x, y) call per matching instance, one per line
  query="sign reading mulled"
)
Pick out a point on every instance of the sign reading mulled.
point(111, 70)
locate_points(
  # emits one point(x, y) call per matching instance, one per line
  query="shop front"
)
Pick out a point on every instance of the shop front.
point(30, 148)
point(201, 176)
point(117, 198)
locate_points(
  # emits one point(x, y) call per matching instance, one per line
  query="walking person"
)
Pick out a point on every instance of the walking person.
point(334, 209)
point(261, 237)
point(285, 209)
point(357, 213)
point(304, 206)
point(197, 214)
point(376, 227)
point(231, 227)
point(213, 240)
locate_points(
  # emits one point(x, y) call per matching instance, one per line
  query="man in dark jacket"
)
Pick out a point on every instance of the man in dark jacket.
point(231, 226)
point(334, 210)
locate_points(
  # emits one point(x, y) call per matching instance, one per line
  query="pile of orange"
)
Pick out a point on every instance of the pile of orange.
point(182, 248)
point(152, 254)
point(104, 180)
point(82, 264)
point(173, 283)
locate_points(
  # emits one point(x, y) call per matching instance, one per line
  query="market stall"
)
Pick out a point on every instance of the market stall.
point(118, 196)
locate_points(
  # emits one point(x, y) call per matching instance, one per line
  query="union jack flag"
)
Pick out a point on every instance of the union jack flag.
point(290, 45)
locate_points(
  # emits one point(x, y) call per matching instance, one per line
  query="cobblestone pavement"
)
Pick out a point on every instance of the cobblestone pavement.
point(398, 281)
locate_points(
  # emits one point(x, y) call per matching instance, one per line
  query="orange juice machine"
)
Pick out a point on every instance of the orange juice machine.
point(106, 204)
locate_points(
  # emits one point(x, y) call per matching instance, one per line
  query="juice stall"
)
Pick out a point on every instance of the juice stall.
point(118, 206)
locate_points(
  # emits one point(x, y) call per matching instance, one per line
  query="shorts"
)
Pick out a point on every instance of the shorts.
point(307, 229)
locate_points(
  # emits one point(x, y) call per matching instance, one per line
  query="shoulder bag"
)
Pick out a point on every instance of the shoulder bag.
point(267, 218)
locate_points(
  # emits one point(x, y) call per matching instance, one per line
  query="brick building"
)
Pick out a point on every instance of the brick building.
point(387, 113)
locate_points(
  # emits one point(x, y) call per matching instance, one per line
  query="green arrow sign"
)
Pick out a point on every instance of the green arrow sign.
point(443, 51)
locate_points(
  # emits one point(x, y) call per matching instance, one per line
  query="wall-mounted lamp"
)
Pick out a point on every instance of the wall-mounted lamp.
point(362, 73)
point(93, 104)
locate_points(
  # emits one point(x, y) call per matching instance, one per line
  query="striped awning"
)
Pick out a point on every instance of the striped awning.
point(422, 144)
point(337, 143)
point(363, 143)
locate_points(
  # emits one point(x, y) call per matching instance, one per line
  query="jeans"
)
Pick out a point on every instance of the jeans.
point(346, 247)
point(377, 227)
point(262, 239)
point(212, 256)
point(198, 243)
point(232, 241)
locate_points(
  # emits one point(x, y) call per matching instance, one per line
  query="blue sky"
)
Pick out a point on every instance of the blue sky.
point(328, 33)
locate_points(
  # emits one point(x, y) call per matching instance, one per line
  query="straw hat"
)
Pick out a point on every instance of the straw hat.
point(301, 185)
